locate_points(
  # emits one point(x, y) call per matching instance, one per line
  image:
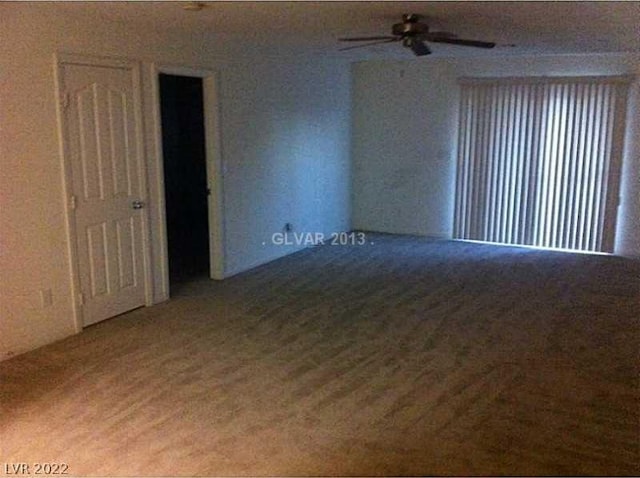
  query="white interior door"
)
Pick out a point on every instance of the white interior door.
point(101, 116)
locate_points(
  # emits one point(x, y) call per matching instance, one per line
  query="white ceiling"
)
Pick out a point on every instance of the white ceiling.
point(313, 27)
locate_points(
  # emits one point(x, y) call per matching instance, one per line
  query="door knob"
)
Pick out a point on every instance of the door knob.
point(137, 204)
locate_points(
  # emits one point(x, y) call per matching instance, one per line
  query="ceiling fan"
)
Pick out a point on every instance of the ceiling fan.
point(413, 34)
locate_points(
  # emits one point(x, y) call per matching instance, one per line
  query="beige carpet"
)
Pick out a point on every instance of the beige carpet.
point(406, 357)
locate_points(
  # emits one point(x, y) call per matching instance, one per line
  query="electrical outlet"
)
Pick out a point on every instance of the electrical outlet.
point(46, 298)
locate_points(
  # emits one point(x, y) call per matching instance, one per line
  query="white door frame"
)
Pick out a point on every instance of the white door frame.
point(59, 60)
point(213, 152)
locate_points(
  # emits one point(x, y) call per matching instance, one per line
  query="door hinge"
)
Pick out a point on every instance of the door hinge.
point(72, 202)
point(64, 100)
point(80, 298)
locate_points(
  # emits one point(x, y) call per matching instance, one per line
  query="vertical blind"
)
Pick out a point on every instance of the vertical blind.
point(539, 161)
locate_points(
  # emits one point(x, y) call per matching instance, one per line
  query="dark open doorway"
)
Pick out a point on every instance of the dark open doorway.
point(185, 177)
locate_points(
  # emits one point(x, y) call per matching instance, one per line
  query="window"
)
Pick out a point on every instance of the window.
point(539, 161)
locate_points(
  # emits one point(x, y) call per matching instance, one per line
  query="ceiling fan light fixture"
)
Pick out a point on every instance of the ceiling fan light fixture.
point(414, 34)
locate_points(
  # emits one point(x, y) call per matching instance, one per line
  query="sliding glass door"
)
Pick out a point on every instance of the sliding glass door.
point(539, 161)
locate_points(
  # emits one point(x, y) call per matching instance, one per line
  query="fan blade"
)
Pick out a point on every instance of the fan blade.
point(439, 34)
point(460, 41)
point(386, 37)
point(388, 40)
point(419, 48)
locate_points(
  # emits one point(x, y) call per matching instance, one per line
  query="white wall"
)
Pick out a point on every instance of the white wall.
point(285, 136)
point(404, 138)
point(285, 144)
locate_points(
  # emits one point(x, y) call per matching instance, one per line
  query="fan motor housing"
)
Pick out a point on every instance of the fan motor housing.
point(409, 28)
